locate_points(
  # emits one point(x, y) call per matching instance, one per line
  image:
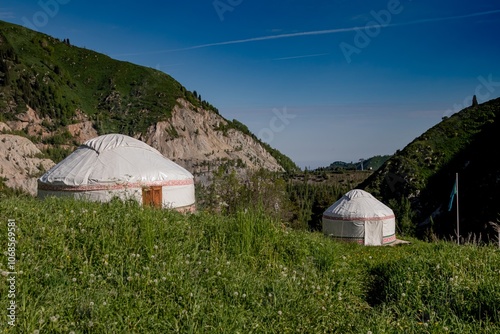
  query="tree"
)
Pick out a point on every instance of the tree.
point(4, 68)
point(474, 101)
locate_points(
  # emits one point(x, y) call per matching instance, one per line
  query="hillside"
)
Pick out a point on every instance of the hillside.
point(59, 95)
point(424, 172)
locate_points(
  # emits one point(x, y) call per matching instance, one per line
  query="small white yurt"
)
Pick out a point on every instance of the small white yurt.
point(116, 165)
point(360, 217)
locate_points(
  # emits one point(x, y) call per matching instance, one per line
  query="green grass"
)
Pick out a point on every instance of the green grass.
point(118, 268)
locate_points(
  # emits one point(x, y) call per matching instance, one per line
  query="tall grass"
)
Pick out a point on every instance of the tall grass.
point(118, 268)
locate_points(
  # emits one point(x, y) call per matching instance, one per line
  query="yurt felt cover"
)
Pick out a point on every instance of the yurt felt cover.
point(358, 216)
point(116, 162)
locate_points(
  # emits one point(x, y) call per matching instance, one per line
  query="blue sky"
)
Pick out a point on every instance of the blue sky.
point(319, 80)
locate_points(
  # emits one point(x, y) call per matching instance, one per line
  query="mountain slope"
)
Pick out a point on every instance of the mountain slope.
point(424, 172)
point(61, 95)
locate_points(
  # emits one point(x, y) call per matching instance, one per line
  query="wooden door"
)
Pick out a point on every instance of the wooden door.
point(151, 196)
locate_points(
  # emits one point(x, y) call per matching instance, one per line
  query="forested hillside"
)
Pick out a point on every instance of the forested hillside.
point(424, 172)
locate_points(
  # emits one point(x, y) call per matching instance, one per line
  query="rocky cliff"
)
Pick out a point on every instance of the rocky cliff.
point(199, 139)
point(21, 162)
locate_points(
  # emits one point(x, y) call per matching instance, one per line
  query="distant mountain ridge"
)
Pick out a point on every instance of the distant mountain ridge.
point(372, 163)
point(59, 95)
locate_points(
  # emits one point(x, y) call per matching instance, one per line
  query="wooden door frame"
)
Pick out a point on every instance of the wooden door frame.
point(152, 196)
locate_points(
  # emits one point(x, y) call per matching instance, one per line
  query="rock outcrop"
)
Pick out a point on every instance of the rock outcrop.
point(20, 164)
point(82, 129)
point(29, 122)
point(196, 138)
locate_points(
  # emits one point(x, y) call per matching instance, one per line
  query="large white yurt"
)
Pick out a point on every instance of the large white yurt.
point(359, 217)
point(116, 165)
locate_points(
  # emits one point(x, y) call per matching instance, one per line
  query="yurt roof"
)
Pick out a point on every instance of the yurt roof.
point(114, 159)
point(358, 204)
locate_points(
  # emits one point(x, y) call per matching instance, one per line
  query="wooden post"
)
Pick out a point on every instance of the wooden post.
point(458, 219)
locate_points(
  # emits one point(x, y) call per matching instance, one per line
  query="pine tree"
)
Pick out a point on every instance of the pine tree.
point(474, 101)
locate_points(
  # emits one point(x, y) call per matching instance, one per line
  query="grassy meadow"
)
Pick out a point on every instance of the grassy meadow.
point(119, 268)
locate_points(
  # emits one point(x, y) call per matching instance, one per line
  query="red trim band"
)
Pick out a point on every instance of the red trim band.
point(385, 240)
point(389, 239)
point(358, 218)
point(114, 186)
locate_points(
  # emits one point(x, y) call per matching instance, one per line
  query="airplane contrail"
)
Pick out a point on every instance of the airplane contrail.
point(246, 40)
point(313, 33)
point(436, 19)
point(6, 14)
point(303, 56)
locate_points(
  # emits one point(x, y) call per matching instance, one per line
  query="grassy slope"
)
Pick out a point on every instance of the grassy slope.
point(56, 79)
point(115, 267)
point(425, 169)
